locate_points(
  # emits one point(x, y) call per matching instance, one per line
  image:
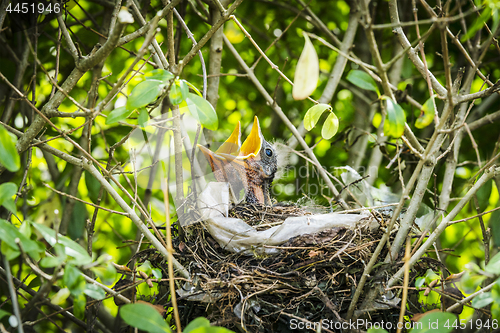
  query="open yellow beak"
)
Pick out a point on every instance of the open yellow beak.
point(216, 159)
point(231, 145)
point(250, 147)
point(232, 150)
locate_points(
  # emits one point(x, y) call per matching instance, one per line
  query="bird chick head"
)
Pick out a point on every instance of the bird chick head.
point(251, 165)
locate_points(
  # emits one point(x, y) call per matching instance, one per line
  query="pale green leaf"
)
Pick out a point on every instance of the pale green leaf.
point(60, 297)
point(313, 114)
point(470, 282)
point(482, 300)
point(419, 282)
point(494, 265)
point(307, 72)
point(203, 111)
point(330, 127)
point(157, 273)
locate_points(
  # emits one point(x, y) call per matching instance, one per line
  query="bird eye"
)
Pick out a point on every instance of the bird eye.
point(269, 152)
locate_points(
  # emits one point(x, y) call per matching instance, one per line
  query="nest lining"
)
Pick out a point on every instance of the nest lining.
point(312, 278)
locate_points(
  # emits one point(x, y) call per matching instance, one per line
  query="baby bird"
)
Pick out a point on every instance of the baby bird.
point(250, 166)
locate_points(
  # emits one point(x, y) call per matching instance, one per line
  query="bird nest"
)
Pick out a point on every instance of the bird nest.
point(311, 279)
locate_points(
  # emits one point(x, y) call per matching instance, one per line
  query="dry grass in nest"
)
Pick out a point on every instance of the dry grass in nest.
point(313, 277)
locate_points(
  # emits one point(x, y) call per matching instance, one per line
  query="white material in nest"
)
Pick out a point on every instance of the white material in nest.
point(237, 236)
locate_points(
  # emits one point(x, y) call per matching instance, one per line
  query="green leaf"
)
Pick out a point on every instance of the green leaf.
point(79, 303)
point(159, 75)
point(435, 322)
point(202, 325)
point(145, 267)
point(395, 123)
point(7, 191)
point(9, 157)
point(9, 252)
point(313, 114)
point(419, 282)
point(471, 282)
point(157, 273)
point(94, 291)
point(495, 227)
point(330, 127)
point(483, 195)
point(9, 234)
point(494, 265)
point(203, 111)
point(362, 80)
point(482, 300)
point(306, 75)
point(179, 92)
point(3, 313)
point(93, 186)
point(78, 220)
point(430, 276)
point(485, 15)
point(60, 297)
point(25, 229)
point(49, 262)
point(196, 323)
point(117, 115)
point(427, 114)
point(193, 87)
point(143, 94)
point(74, 280)
point(144, 317)
point(71, 248)
point(143, 117)
point(106, 274)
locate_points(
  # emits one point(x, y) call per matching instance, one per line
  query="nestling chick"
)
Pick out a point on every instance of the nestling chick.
point(251, 165)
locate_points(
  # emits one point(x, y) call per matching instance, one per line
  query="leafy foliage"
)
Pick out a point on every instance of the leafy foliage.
point(8, 154)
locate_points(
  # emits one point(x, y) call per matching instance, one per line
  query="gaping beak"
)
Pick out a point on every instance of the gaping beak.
point(250, 147)
point(230, 146)
point(240, 165)
point(217, 160)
